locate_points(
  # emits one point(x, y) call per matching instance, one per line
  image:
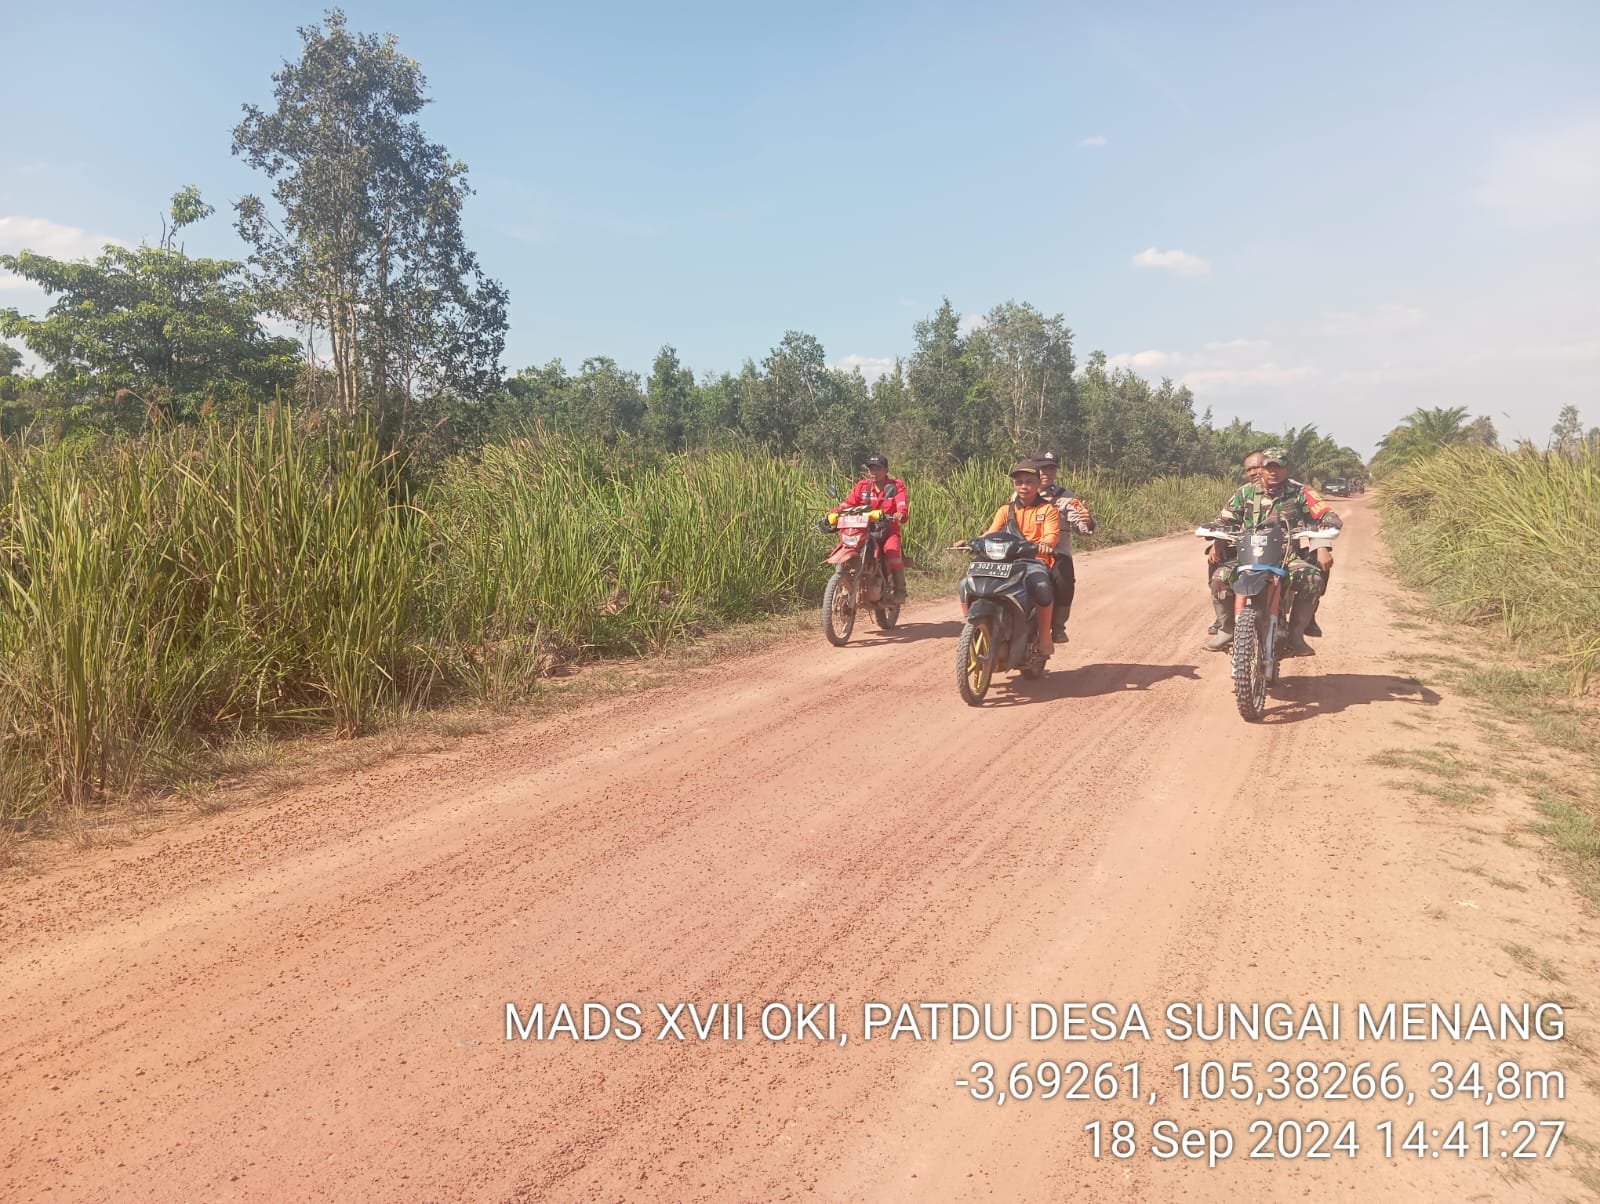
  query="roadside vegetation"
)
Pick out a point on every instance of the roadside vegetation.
point(1504, 542)
point(194, 587)
point(1507, 541)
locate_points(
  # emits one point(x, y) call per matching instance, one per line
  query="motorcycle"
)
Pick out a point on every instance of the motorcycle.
point(1262, 600)
point(860, 577)
point(1000, 632)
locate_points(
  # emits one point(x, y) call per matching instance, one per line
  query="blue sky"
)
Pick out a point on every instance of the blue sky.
point(1329, 215)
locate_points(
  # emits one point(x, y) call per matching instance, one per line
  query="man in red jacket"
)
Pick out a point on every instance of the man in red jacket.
point(882, 492)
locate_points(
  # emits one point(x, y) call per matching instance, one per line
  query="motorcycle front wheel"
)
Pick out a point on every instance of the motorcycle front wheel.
point(1249, 665)
point(839, 608)
point(975, 661)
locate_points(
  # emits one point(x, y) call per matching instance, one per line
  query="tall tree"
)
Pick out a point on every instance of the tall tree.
point(1023, 362)
point(669, 400)
point(938, 380)
point(1567, 433)
point(149, 327)
point(369, 250)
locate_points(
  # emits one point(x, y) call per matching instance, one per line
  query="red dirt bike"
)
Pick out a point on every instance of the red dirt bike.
point(1262, 599)
point(860, 578)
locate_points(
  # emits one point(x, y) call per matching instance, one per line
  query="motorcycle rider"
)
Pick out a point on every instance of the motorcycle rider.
point(1254, 506)
point(1252, 476)
point(1075, 516)
point(1034, 518)
point(880, 492)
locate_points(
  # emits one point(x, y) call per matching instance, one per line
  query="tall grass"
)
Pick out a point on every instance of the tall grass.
point(1508, 540)
point(161, 594)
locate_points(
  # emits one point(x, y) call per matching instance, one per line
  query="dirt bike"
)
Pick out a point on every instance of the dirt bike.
point(1001, 632)
point(1263, 597)
point(861, 577)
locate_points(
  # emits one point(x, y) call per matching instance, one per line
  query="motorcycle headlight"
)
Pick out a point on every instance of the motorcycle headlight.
point(995, 549)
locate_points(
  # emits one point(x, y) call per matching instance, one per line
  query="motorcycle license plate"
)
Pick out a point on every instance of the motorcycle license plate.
point(852, 520)
point(985, 568)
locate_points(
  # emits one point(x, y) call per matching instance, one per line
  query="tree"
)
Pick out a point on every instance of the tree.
point(1023, 362)
point(793, 389)
point(149, 327)
point(369, 251)
point(1481, 430)
point(1420, 434)
point(938, 381)
point(669, 400)
point(1567, 433)
point(606, 400)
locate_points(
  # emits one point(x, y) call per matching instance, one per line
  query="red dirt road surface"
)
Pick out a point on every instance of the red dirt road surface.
point(307, 999)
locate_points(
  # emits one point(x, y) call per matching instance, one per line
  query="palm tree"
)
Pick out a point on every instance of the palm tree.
point(1423, 432)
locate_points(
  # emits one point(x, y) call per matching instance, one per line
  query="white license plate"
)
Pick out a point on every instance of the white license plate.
point(852, 520)
point(985, 568)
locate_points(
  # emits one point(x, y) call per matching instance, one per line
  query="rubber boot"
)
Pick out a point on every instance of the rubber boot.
point(897, 585)
point(1223, 636)
point(1299, 620)
point(1312, 629)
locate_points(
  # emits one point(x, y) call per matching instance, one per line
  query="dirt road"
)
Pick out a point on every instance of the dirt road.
point(307, 999)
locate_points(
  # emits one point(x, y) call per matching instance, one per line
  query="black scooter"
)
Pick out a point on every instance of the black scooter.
point(1001, 631)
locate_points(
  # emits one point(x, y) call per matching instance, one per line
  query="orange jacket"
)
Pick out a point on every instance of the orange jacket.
point(1040, 522)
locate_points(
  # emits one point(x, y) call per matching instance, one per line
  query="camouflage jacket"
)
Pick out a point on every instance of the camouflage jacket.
point(1298, 505)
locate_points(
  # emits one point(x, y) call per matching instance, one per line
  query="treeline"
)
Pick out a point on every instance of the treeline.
point(358, 248)
point(1007, 386)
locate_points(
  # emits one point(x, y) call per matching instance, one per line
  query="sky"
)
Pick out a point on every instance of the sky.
point(1326, 214)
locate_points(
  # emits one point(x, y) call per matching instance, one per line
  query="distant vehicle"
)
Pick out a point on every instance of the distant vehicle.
point(1338, 487)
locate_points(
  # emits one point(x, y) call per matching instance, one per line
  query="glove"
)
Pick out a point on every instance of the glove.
point(874, 515)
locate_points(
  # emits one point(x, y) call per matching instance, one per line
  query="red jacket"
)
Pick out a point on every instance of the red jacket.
point(867, 493)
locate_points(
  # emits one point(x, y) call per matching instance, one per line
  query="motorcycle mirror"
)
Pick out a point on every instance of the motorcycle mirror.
point(833, 493)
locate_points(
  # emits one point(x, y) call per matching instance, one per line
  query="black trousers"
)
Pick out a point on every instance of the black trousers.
point(1065, 580)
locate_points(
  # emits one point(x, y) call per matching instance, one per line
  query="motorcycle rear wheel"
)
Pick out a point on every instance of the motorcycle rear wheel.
point(1249, 666)
point(839, 609)
point(887, 616)
point(974, 661)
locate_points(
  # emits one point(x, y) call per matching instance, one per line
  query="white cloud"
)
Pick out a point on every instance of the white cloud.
point(871, 366)
point(47, 238)
point(1142, 362)
point(1094, 140)
point(1553, 175)
point(1228, 366)
point(971, 322)
point(1181, 262)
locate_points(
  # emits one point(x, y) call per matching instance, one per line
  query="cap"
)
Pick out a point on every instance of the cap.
point(1274, 455)
point(877, 461)
point(1044, 459)
point(1025, 466)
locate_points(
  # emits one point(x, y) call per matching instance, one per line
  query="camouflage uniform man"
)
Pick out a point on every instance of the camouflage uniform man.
point(1252, 476)
point(1254, 506)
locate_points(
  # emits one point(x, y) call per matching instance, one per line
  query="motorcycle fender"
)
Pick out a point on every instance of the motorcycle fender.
point(842, 555)
point(984, 608)
point(1248, 585)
